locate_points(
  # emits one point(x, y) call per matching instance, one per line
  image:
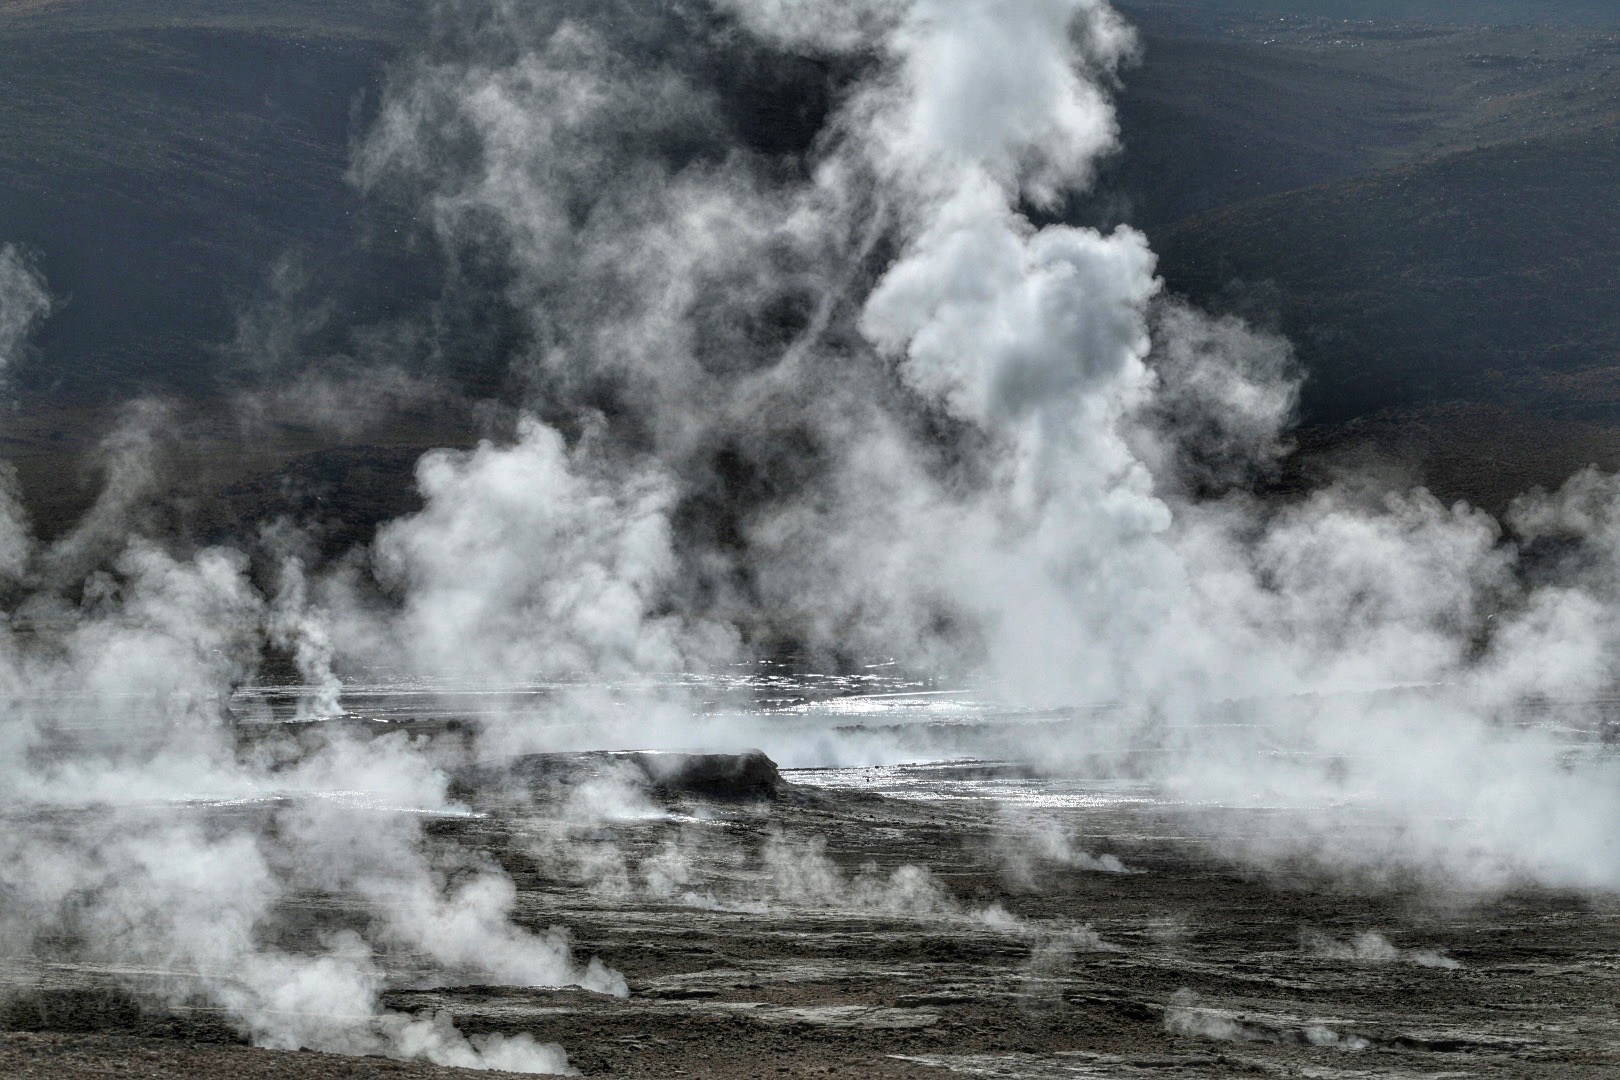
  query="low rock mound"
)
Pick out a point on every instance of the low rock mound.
point(744, 775)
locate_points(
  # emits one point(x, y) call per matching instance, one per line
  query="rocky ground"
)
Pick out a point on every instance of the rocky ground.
point(928, 921)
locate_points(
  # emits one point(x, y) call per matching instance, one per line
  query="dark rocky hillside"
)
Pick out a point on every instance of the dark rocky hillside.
point(1426, 211)
point(161, 158)
point(1443, 12)
point(1426, 208)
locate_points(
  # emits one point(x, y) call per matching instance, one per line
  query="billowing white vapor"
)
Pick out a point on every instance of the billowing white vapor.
point(870, 394)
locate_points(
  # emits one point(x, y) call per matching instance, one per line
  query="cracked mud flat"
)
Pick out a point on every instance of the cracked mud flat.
point(896, 921)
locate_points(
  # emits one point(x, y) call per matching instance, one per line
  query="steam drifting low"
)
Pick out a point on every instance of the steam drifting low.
point(855, 396)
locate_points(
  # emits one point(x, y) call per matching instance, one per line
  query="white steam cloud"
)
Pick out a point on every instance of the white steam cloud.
point(24, 303)
point(1185, 1016)
point(853, 397)
point(142, 841)
point(1375, 948)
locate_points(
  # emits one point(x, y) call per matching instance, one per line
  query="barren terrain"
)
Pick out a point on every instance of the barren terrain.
point(966, 918)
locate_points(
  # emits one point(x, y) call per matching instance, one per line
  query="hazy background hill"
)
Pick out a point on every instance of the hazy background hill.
point(1443, 12)
point(159, 158)
point(1426, 206)
point(1426, 210)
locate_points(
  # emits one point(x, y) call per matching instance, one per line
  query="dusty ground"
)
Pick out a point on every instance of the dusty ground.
point(1021, 952)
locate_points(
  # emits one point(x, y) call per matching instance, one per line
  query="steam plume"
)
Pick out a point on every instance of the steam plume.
point(853, 389)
